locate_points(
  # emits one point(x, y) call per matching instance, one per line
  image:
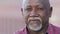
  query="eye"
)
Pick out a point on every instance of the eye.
point(40, 8)
point(28, 9)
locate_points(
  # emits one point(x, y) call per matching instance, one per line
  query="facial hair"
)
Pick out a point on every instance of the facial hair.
point(35, 26)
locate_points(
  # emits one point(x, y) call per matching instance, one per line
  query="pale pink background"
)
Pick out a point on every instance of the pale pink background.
point(11, 18)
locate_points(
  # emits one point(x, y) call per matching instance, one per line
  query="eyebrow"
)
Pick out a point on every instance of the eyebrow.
point(30, 5)
point(39, 6)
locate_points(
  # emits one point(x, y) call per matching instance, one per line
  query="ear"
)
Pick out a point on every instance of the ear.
point(50, 11)
point(22, 10)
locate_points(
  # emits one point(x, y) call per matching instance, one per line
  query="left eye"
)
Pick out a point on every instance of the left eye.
point(40, 9)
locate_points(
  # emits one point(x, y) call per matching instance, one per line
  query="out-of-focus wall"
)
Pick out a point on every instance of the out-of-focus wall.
point(11, 17)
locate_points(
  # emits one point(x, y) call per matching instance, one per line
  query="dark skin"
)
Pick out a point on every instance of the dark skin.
point(34, 8)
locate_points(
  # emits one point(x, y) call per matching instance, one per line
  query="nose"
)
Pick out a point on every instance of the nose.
point(33, 13)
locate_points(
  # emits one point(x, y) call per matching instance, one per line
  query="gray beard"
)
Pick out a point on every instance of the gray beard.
point(35, 28)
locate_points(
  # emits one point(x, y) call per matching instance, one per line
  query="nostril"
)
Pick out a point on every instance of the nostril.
point(33, 15)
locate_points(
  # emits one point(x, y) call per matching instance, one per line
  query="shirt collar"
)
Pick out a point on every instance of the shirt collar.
point(28, 31)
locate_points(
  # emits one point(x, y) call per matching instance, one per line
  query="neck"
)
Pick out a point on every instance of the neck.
point(37, 32)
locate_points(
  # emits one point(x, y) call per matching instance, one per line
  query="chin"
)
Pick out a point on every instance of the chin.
point(37, 28)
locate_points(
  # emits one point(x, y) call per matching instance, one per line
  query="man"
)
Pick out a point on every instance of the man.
point(36, 14)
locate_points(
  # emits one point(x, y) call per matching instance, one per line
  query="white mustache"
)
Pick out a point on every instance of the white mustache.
point(34, 18)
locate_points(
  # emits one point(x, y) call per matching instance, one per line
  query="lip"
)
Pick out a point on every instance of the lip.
point(34, 20)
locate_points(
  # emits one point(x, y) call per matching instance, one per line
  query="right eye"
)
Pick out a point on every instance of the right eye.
point(28, 9)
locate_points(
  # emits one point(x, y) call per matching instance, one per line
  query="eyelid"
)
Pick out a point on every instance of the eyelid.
point(40, 8)
point(29, 9)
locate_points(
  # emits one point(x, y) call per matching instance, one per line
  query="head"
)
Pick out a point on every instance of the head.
point(36, 14)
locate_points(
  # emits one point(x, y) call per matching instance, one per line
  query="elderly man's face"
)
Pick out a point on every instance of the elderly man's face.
point(36, 15)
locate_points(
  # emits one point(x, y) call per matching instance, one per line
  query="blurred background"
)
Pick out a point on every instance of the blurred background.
point(11, 18)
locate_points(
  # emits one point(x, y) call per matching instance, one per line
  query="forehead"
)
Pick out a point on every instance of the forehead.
point(33, 3)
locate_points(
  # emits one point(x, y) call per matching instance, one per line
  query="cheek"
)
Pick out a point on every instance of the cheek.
point(44, 16)
point(26, 13)
point(26, 16)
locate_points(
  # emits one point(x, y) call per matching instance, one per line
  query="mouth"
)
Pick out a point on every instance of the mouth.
point(35, 21)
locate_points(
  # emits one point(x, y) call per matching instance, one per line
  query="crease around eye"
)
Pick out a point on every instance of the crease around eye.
point(29, 9)
point(40, 8)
